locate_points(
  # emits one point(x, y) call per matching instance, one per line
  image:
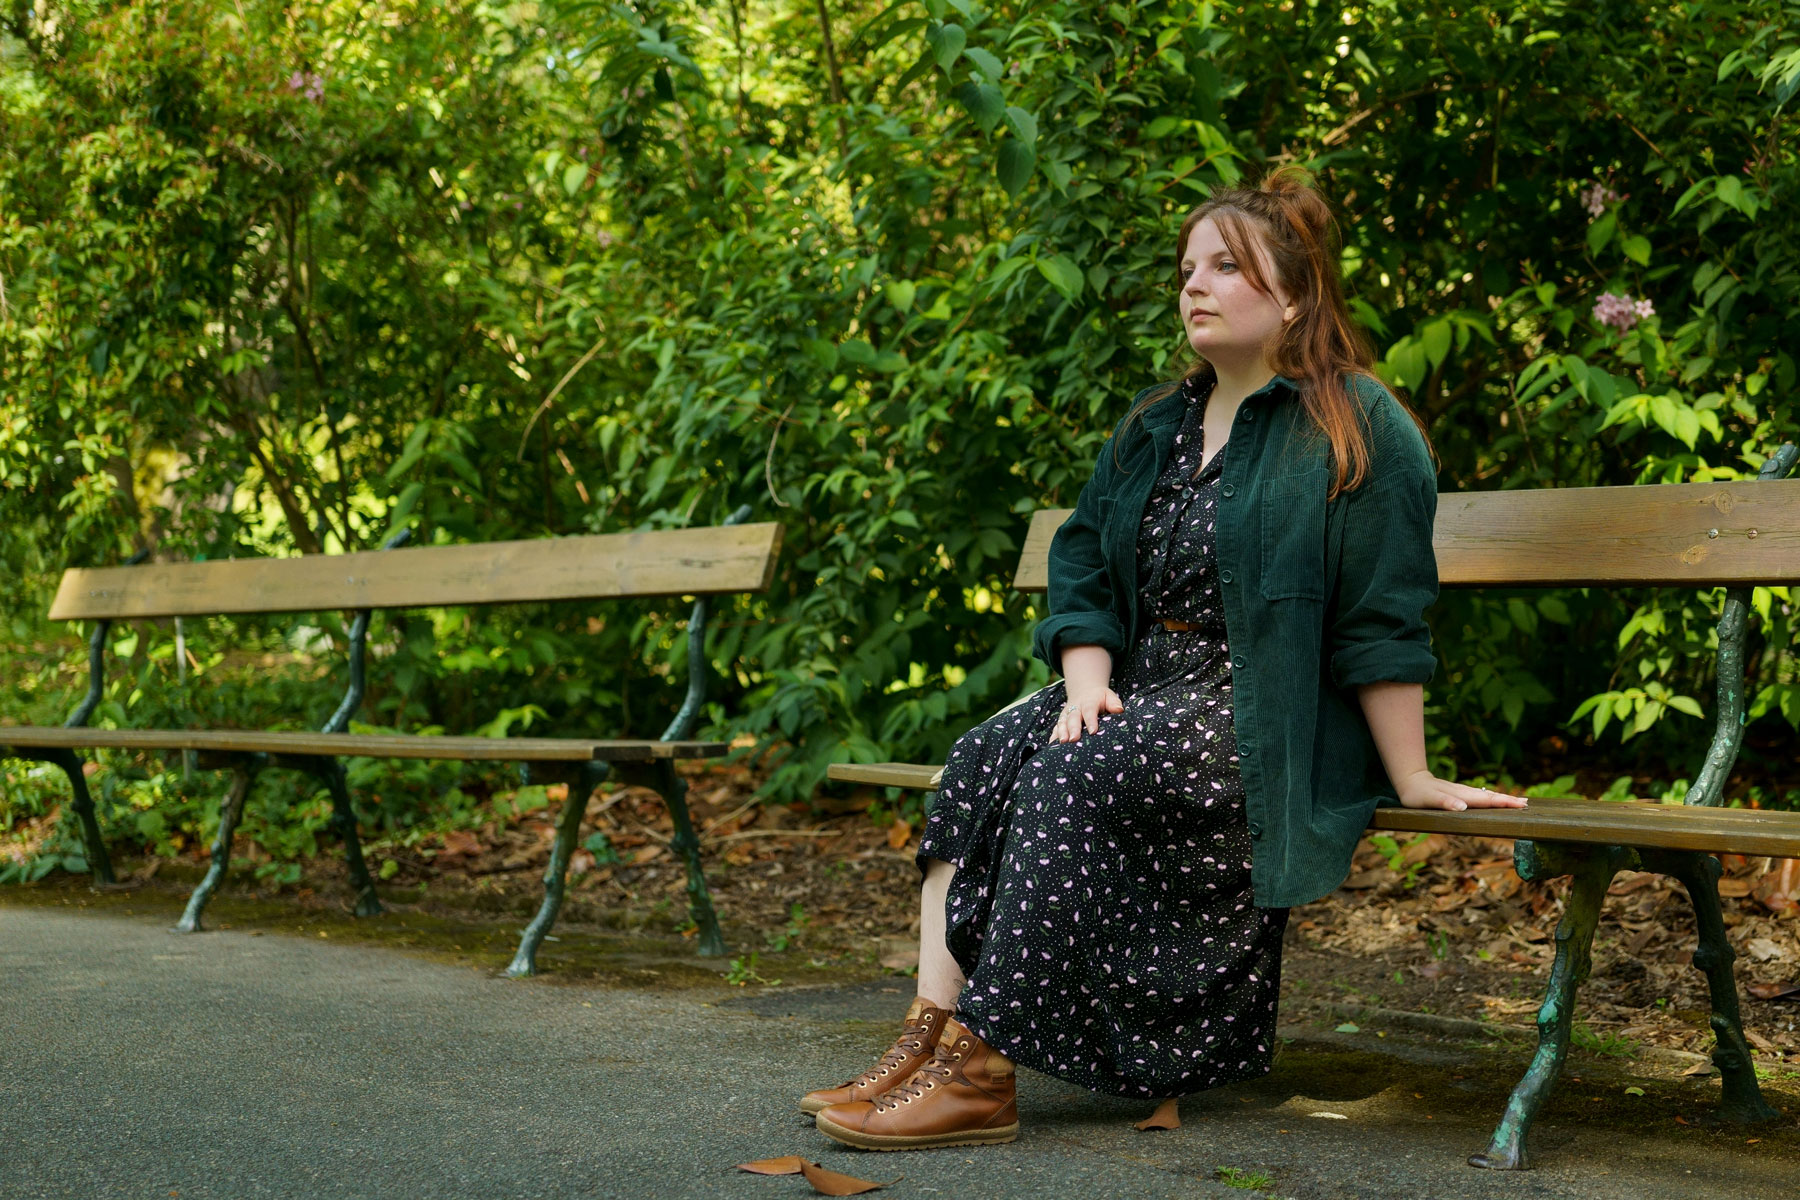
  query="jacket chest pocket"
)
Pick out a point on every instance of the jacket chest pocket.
point(1293, 537)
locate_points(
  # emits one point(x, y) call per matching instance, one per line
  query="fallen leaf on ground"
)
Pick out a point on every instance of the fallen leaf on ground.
point(899, 833)
point(831, 1183)
point(1773, 991)
point(1762, 950)
point(1166, 1116)
point(824, 1182)
point(1701, 1068)
point(787, 1164)
point(1329, 1116)
point(1735, 887)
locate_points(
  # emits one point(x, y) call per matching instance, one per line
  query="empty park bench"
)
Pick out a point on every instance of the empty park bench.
point(733, 557)
point(1737, 535)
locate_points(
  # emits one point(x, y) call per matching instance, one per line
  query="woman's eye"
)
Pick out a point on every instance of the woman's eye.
point(1227, 265)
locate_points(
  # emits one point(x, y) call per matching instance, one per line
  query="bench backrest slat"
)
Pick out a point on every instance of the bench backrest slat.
point(1739, 533)
point(675, 562)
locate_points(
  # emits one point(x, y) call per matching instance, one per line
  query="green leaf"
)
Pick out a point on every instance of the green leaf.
point(900, 294)
point(947, 42)
point(574, 176)
point(985, 62)
point(1436, 338)
point(1637, 249)
point(984, 101)
point(1023, 124)
point(1013, 165)
point(1062, 273)
point(1601, 232)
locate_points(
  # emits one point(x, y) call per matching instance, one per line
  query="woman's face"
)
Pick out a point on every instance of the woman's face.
point(1226, 319)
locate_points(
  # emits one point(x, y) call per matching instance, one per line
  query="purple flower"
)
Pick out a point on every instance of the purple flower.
point(1596, 198)
point(604, 238)
point(308, 84)
point(1621, 312)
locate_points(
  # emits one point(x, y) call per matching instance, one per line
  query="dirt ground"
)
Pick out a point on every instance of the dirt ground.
point(1430, 925)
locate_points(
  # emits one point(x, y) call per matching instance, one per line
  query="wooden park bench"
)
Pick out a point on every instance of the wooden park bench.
point(1700, 535)
point(734, 557)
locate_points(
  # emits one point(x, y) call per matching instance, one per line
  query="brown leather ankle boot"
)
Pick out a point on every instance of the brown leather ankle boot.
point(965, 1096)
point(912, 1050)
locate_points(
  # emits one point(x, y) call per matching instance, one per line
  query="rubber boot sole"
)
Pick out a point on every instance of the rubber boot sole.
point(811, 1107)
point(869, 1141)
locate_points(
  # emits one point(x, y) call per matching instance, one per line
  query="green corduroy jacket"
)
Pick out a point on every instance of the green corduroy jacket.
point(1320, 598)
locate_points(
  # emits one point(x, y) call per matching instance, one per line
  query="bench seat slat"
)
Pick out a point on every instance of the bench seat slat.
point(1606, 822)
point(372, 745)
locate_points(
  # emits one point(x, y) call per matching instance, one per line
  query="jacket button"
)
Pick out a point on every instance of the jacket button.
point(1246, 414)
point(1256, 829)
point(1237, 660)
point(1224, 576)
point(1228, 491)
point(1246, 749)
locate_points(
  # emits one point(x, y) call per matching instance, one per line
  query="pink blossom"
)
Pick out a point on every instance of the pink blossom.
point(1621, 312)
point(1596, 198)
point(604, 238)
point(308, 83)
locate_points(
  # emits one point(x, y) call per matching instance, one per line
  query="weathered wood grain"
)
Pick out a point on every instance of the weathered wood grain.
point(1668, 826)
point(372, 745)
point(1680, 534)
point(675, 562)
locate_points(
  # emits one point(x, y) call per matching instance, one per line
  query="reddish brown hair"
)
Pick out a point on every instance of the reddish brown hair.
point(1322, 348)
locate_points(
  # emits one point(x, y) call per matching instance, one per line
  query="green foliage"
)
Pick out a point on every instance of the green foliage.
point(276, 283)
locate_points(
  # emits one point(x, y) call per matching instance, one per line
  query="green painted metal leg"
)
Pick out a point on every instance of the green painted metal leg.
point(568, 826)
point(229, 814)
point(95, 846)
point(343, 821)
point(687, 844)
point(1740, 1101)
point(1574, 941)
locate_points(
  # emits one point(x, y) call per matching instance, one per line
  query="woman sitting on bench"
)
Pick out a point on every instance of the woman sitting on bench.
point(1237, 611)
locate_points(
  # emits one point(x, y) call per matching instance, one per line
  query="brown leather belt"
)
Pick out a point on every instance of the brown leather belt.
point(1180, 626)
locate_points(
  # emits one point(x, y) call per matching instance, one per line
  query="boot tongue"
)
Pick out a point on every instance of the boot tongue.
point(953, 1029)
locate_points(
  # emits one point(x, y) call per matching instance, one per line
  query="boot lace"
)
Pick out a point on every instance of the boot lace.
point(921, 1080)
point(910, 1043)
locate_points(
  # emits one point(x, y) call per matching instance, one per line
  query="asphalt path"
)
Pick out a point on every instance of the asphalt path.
point(139, 1063)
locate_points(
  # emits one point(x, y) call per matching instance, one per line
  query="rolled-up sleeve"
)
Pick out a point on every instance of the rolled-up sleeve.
point(1080, 591)
point(1387, 572)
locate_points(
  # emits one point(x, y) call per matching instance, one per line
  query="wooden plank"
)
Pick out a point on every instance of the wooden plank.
point(674, 562)
point(1680, 534)
point(1669, 826)
point(906, 775)
point(370, 745)
point(1034, 561)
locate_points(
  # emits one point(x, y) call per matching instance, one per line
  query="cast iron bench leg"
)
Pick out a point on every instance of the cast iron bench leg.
point(1740, 1101)
point(98, 862)
point(687, 844)
point(568, 826)
point(1593, 869)
point(343, 820)
point(231, 810)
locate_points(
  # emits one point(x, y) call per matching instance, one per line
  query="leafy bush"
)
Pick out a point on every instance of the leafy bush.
point(508, 270)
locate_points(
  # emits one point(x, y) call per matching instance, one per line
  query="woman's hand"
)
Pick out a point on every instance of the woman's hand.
point(1083, 712)
point(1422, 789)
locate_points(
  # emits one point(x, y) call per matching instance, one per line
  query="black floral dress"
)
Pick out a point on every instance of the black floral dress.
point(1101, 908)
